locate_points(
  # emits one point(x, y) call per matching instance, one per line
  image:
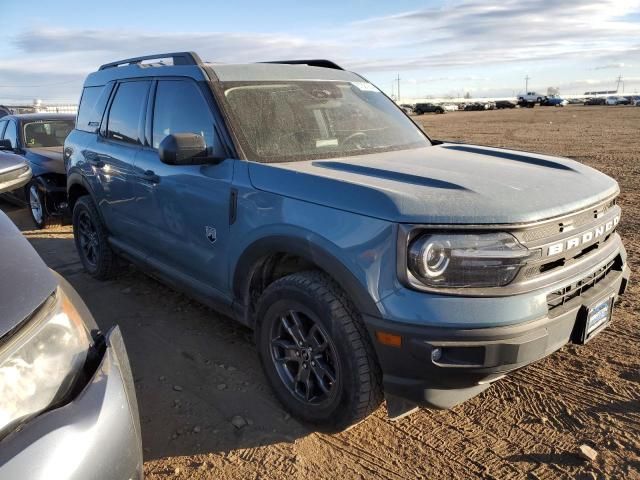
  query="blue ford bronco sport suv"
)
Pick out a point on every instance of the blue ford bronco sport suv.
point(371, 260)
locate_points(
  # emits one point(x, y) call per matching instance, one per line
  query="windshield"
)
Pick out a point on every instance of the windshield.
point(304, 120)
point(46, 133)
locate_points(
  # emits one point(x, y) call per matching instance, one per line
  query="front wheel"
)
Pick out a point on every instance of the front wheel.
point(316, 352)
point(36, 204)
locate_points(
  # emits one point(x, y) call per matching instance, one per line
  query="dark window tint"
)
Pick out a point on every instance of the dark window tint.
point(91, 108)
point(181, 108)
point(11, 133)
point(126, 112)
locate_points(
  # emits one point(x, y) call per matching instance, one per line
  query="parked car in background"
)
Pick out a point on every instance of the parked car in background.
point(576, 101)
point(408, 109)
point(422, 108)
point(453, 264)
point(530, 97)
point(450, 107)
point(500, 104)
point(38, 138)
point(553, 101)
point(67, 400)
point(476, 106)
point(616, 100)
point(15, 172)
point(595, 101)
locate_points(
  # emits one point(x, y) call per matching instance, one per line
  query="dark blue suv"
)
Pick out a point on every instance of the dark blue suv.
point(297, 198)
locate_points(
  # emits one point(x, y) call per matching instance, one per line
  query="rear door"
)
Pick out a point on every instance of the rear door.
point(112, 153)
point(182, 211)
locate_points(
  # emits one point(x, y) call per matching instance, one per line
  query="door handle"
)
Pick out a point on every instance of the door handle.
point(149, 176)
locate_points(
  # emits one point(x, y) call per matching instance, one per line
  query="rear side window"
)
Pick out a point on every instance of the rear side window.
point(3, 124)
point(181, 108)
point(126, 113)
point(91, 108)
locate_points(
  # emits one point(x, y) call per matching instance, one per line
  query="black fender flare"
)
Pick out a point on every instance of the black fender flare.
point(303, 248)
point(76, 178)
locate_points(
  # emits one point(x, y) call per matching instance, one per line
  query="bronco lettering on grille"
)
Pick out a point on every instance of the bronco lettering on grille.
point(583, 238)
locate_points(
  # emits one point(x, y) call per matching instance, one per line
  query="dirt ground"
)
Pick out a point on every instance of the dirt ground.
point(195, 370)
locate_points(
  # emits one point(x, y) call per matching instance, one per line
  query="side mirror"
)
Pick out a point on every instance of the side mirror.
point(5, 144)
point(185, 149)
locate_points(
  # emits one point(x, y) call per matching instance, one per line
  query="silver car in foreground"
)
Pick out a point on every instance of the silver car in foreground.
point(67, 402)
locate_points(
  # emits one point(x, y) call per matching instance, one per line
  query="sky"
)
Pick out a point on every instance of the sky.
point(437, 48)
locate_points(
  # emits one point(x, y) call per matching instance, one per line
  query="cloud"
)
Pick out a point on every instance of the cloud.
point(461, 34)
point(610, 66)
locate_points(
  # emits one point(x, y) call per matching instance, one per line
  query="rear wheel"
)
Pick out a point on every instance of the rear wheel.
point(316, 352)
point(91, 240)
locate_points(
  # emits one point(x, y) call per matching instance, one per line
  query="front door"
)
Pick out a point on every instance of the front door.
point(183, 210)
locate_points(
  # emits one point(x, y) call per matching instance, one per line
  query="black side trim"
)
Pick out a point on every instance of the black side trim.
point(233, 206)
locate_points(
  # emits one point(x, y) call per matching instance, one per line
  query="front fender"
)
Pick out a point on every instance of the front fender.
point(312, 248)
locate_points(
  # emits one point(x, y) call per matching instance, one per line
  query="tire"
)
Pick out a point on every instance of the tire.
point(91, 239)
point(343, 384)
point(439, 110)
point(37, 206)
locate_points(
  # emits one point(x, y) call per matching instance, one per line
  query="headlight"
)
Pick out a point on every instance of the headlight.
point(41, 363)
point(466, 259)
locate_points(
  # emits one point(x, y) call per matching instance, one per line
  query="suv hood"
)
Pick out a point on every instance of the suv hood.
point(48, 158)
point(26, 281)
point(443, 184)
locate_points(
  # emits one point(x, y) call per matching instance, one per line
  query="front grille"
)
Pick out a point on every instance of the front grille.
point(576, 221)
point(560, 297)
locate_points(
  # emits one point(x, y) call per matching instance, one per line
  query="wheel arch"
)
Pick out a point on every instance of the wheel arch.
point(310, 255)
point(77, 186)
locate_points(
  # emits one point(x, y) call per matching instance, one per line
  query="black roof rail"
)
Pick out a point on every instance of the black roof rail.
point(179, 58)
point(312, 63)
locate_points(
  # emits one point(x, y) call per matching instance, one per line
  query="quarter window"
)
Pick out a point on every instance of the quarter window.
point(90, 110)
point(181, 108)
point(126, 113)
point(11, 134)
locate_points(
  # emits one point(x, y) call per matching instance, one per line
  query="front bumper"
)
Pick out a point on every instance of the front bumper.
point(467, 360)
point(96, 436)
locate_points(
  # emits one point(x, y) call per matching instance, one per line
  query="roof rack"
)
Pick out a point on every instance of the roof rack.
point(179, 58)
point(312, 63)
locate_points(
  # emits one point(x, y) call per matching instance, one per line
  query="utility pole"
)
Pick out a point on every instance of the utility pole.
point(619, 82)
point(398, 80)
point(526, 84)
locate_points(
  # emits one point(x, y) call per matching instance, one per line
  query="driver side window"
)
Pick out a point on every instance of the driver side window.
point(181, 108)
